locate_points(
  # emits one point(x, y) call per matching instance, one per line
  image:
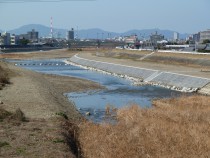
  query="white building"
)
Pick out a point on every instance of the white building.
point(14, 39)
point(5, 39)
point(204, 35)
point(131, 39)
point(176, 36)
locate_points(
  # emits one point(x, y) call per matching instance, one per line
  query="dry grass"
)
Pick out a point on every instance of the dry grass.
point(179, 59)
point(190, 60)
point(32, 137)
point(185, 55)
point(4, 79)
point(143, 52)
point(172, 128)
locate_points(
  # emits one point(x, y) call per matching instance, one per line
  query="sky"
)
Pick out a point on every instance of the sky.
point(184, 16)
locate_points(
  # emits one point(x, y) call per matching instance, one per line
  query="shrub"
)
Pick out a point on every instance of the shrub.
point(3, 144)
point(62, 115)
point(4, 114)
point(18, 115)
point(4, 79)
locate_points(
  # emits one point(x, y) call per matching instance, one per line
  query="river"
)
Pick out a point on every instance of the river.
point(118, 93)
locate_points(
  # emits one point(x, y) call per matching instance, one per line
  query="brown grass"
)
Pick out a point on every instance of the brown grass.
point(143, 52)
point(172, 128)
point(4, 79)
point(190, 60)
point(31, 138)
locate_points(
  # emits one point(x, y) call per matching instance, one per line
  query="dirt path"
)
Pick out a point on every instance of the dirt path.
point(39, 96)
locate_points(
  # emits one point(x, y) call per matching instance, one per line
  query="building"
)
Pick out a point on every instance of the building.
point(33, 36)
point(131, 39)
point(1, 41)
point(176, 36)
point(14, 39)
point(196, 37)
point(70, 35)
point(23, 36)
point(5, 39)
point(155, 38)
point(205, 35)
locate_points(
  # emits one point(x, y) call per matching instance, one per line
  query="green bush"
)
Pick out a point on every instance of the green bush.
point(3, 144)
point(62, 114)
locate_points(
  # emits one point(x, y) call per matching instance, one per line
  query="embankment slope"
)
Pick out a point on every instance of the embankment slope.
point(40, 97)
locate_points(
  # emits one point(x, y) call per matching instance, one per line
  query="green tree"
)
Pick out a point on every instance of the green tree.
point(24, 41)
point(206, 41)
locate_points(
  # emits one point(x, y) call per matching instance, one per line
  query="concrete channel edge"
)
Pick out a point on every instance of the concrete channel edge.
point(140, 76)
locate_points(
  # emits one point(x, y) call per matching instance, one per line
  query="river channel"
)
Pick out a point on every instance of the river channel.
point(118, 93)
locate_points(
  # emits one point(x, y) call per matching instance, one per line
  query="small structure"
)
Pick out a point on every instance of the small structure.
point(155, 38)
point(33, 36)
point(131, 40)
point(70, 35)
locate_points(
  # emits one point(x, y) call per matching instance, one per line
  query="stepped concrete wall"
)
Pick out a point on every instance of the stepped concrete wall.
point(167, 79)
point(205, 90)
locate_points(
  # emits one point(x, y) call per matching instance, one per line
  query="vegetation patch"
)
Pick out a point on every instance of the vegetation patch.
point(4, 79)
point(3, 144)
point(4, 114)
point(62, 114)
point(172, 128)
point(21, 151)
point(18, 115)
point(59, 140)
point(204, 51)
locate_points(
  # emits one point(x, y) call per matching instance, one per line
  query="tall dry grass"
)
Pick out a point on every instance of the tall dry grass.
point(4, 79)
point(172, 128)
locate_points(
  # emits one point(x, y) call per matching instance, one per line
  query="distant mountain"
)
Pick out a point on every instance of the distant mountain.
point(44, 31)
point(94, 33)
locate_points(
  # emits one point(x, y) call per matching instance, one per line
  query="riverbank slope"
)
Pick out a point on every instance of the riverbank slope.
point(40, 98)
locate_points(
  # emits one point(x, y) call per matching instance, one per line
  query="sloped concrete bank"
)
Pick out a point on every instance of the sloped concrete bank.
point(205, 90)
point(179, 82)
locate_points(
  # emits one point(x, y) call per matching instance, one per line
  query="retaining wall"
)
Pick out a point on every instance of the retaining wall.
point(170, 80)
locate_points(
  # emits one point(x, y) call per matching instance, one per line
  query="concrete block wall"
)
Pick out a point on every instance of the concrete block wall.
point(166, 79)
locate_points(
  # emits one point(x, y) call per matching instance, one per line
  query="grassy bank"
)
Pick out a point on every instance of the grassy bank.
point(190, 60)
point(172, 128)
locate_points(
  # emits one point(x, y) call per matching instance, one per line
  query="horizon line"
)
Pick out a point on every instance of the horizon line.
point(135, 29)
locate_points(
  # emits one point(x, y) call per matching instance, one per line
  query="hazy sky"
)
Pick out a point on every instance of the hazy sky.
point(184, 16)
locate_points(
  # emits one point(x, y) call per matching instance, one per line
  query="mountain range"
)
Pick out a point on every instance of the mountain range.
point(94, 33)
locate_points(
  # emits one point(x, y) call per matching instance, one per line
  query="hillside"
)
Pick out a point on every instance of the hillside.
point(93, 33)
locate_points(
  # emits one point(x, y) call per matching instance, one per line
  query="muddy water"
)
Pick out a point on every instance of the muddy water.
point(118, 93)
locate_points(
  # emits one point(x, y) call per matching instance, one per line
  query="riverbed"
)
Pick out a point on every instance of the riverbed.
point(118, 92)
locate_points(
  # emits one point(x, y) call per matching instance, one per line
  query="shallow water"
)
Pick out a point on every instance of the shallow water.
point(118, 93)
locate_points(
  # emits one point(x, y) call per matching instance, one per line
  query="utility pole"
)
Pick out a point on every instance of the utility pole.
point(51, 27)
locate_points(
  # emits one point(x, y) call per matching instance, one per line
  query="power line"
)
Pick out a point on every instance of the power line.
point(38, 1)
